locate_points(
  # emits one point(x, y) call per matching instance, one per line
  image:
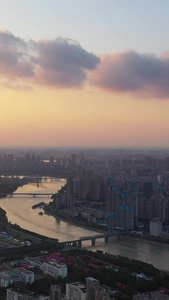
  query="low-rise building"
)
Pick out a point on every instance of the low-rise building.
point(27, 276)
point(17, 294)
point(155, 227)
point(36, 262)
point(54, 269)
point(16, 276)
point(156, 295)
point(5, 279)
point(42, 297)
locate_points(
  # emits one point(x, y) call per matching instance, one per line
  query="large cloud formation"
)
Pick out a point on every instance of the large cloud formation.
point(135, 73)
point(60, 62)
point(63, 63)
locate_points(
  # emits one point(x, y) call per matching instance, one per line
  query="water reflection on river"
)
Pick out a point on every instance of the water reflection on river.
point(148, 251)
point(19, 210)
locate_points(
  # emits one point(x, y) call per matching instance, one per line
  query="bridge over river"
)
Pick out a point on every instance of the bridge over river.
point(25, 194)
point(93, 238)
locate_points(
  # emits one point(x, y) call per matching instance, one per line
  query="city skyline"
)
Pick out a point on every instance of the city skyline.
point(84, 74)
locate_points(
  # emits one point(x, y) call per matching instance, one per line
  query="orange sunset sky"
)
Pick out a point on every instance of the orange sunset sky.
point(82, 73)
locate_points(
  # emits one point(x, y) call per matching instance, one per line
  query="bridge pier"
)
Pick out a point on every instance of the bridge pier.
point(68, 244)
point(74, 244)
point(106, 239)
point(93, 242)
point(80, 244)
point(33, 195)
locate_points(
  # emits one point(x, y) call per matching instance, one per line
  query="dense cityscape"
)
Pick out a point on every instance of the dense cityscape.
point(125, 186)
point(121, 193)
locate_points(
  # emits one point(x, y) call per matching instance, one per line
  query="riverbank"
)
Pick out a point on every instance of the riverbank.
point(59, 215)
point(10, 185)
point(27, 233)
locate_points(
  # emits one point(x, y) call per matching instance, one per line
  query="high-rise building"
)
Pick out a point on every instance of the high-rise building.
point(69, 186)
point(148, 189)
point(76, 291)
point(55, 292)
point(92, 288)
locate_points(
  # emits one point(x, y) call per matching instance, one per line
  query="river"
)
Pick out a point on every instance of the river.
point(19, 210)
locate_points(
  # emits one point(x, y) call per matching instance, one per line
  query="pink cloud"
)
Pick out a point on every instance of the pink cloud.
point(58, 63)
point(131, 72)
point(63, 63)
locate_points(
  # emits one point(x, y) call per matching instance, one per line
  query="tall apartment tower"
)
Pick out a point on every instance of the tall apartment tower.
point(92, 288)
point(55, 292)
point(69, 186)
point(76, 291)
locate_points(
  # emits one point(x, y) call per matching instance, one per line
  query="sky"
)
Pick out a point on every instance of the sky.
point(82, 73)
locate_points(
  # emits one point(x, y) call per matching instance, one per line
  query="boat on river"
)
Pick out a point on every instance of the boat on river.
point(38, 205)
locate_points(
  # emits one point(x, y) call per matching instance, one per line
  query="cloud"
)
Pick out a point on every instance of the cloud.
point(131, 72)
point(15, 85)
point(14, 57)
point(63, 62)
point(60, 62)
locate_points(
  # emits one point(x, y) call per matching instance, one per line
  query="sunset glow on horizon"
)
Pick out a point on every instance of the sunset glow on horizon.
point(58, 88)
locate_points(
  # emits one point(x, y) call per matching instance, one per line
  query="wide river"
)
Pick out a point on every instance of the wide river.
point(19, 210)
